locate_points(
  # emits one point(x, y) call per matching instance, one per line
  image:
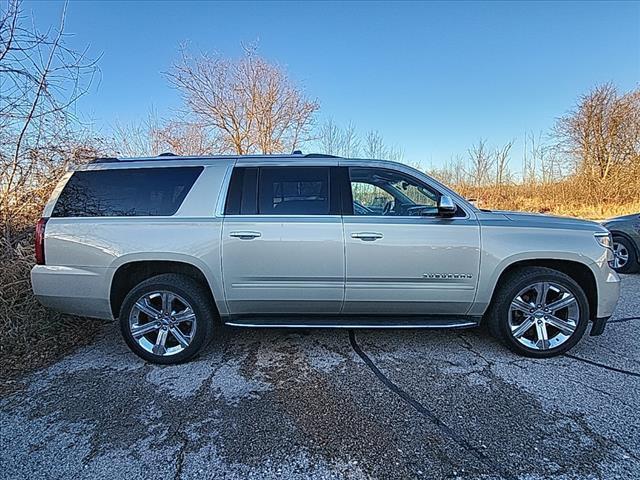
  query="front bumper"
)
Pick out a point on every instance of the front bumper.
point(608, 284)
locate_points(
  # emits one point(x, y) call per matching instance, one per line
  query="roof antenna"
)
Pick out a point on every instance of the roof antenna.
point(297, 152)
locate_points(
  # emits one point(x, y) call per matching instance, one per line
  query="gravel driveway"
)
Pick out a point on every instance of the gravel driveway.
point(335, 404)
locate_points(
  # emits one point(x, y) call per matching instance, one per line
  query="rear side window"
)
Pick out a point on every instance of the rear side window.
point(126, 192)
point(294, 191)
point(284, 191)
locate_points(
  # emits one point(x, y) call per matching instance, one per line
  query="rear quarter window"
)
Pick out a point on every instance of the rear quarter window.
point(126, 192)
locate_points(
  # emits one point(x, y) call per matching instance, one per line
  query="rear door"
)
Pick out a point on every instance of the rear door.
point(283, 247)
point(401, 258)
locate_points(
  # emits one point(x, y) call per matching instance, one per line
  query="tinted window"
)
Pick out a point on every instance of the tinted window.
point(241, 198)
point(294, 191)
point(126, 192)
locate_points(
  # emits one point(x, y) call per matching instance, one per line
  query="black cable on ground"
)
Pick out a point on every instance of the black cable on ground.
point(460, 440)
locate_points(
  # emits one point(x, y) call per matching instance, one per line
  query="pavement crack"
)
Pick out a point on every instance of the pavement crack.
point(444, 428)
point(180, 456)
point(598, 438)
point(602, 365)
point(623, 320)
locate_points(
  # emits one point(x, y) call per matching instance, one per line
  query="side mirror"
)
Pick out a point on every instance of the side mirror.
point(446, 207)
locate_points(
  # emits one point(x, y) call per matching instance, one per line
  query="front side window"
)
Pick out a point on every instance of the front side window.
point(378, 191)
point(293, 191)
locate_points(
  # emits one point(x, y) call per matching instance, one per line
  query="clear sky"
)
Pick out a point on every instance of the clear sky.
point(432, 77)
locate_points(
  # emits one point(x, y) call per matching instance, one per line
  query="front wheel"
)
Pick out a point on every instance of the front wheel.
point(167, 319)
point(624, 256)
point(539, 312)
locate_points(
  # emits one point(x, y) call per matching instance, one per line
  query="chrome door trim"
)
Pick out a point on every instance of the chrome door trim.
point(260, 216)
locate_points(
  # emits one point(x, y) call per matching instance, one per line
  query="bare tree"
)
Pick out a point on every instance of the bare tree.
point(350, 142)
point(330, 138)
point(252, 105)
point(375, 147)
point(41, 78)
point(602, 134)
point(153, 136)
point(335, 140)
point(346, 142)
point(481, 163)
point(501, 161)
point(135, 139)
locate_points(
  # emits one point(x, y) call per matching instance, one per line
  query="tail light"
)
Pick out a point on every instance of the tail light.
point(40, 226)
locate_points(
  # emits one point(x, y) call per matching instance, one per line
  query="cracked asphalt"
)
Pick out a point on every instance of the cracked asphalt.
point(335, 404)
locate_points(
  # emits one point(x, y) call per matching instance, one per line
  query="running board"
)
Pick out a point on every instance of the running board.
point(351, 321)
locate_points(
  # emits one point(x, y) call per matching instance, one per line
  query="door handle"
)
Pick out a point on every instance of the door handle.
point(245, 235)
point(367, 236)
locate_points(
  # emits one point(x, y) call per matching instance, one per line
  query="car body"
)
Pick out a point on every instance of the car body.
point(626, 242)
point(307, 240)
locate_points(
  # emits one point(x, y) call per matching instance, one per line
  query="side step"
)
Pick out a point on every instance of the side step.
point(351, 321)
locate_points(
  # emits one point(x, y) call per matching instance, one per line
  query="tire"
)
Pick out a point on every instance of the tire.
point(624, 251)
point(173, 337)
point(523, 288)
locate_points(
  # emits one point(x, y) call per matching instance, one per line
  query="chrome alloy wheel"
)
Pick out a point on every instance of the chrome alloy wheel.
point(543, 315)
point(620, 255)
point(162, 323)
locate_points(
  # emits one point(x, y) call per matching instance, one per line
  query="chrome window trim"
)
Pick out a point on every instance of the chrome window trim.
point(402, 217)
point(342, 162)
point(435, 188)
point(458, 199)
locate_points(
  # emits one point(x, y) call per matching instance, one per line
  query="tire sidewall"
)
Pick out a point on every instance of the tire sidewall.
point(632, 262)
point(512, 291)
point(202, 318)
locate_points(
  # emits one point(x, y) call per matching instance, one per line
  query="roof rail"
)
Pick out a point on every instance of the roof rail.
point(105, 160)
point(319, 155)
point(169, 155)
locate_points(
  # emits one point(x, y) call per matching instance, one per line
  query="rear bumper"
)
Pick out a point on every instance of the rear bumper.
point(73, 290)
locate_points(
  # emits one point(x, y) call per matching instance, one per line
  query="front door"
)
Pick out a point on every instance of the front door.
point(401, 258)
point(283, 248)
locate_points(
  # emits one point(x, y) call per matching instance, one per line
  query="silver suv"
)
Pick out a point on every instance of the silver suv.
point(169, 245)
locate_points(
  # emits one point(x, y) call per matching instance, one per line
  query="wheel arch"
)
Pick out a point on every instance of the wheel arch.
point(579, 272)
point(130, 273)
point(626, 236)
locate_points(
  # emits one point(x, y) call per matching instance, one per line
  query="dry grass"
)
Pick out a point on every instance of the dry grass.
point(571, 197)
point(32, 336)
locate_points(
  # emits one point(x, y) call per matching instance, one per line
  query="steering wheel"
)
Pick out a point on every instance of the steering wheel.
point(388, 207)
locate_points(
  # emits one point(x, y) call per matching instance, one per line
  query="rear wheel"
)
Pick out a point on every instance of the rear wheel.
point(539, 312)
point(624, 256)
point(167, 319)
